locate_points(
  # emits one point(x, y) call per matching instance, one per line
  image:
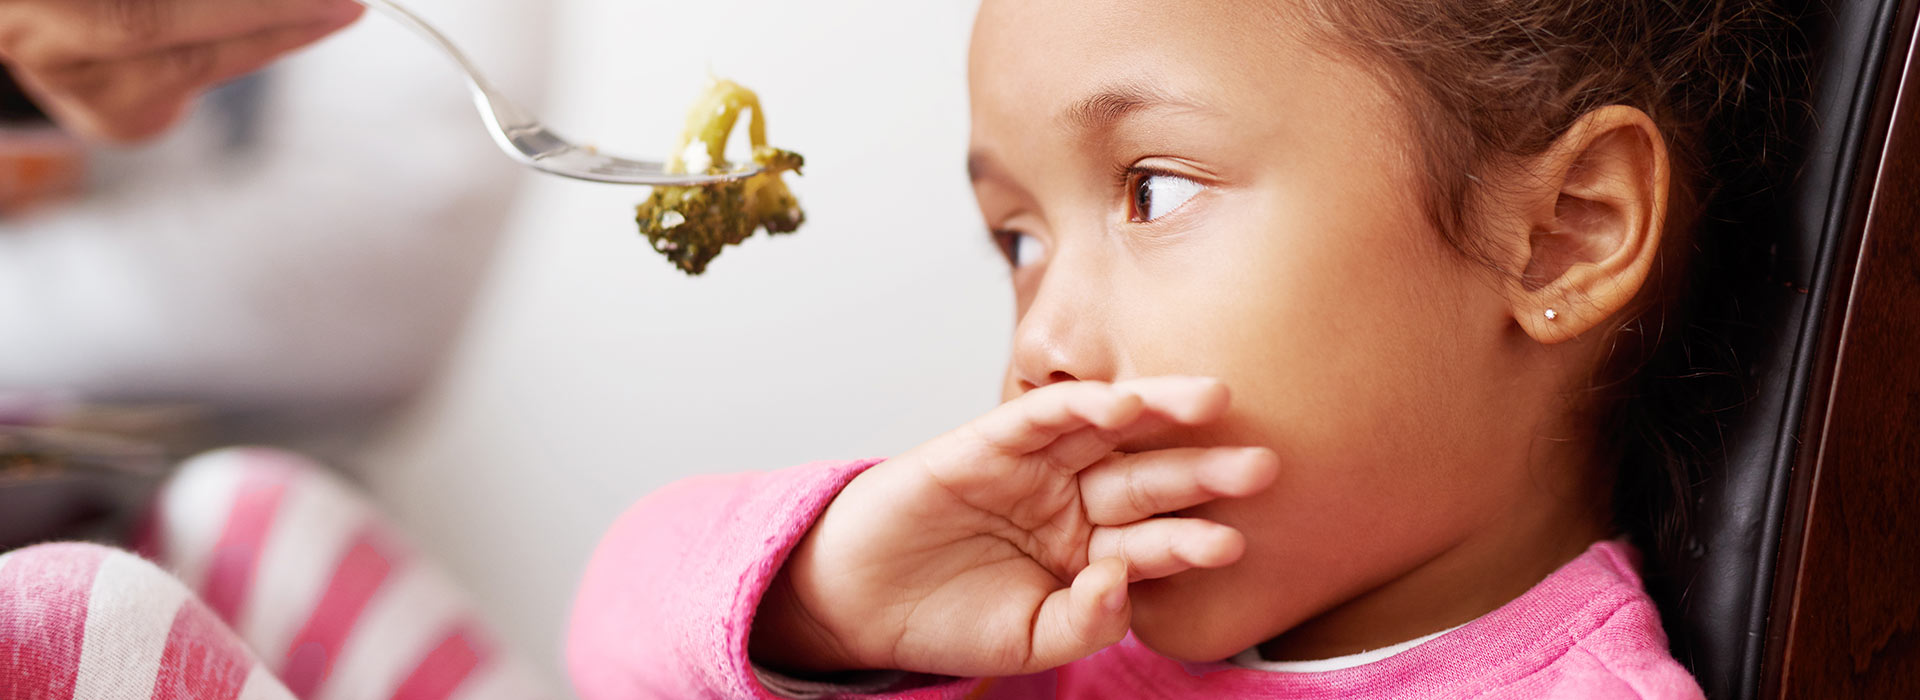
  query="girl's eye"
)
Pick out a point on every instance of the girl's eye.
point(1158, 194)
point(1020, 249)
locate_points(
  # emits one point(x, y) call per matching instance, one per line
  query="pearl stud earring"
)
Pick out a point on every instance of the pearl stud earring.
point(1551, 314)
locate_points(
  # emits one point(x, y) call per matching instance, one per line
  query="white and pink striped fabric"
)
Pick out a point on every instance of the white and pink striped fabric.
point(302, 593)
point(79, 622)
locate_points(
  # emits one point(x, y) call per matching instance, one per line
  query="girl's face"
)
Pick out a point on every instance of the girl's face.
point(1196, 188)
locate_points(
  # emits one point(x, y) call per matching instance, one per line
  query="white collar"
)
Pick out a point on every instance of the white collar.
point(1251, 657)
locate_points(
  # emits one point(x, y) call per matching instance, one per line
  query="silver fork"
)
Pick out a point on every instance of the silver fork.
point(530, 142)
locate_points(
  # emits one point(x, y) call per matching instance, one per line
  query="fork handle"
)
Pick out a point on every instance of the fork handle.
point(490, 99)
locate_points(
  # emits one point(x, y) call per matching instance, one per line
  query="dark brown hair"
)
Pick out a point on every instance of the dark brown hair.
point(1494, 80)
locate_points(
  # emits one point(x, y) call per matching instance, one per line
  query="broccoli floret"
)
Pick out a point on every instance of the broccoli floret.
point(690, 225)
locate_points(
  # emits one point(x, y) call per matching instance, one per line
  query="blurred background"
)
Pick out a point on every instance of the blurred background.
point(332, 256)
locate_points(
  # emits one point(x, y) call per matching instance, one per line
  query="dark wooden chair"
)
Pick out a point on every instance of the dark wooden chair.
point(1803, 577)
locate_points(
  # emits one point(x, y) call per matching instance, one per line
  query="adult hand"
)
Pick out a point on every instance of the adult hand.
point(125, 70)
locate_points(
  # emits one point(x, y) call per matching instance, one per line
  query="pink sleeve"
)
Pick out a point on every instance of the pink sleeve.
point(668, 599)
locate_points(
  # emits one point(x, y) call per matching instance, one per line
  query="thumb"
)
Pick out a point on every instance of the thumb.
point(1088, 616)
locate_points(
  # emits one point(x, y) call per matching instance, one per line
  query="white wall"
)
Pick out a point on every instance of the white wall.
point(594, 372)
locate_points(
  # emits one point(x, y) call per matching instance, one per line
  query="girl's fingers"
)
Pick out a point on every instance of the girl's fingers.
point(1077, 621)
point(1166, 546)
point(1124, 488)
point(1165, 401)
point(1032, 421)
point(1184, 400)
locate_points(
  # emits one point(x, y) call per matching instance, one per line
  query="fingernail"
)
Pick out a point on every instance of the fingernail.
point(1115, 599)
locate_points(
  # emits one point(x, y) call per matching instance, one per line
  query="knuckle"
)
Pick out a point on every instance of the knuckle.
point(1092, 486)
point(1118, 545)
point(133, 21)
point(1051, 463)
point(1088, 636)
point(1138, 496)
point(1100, 544)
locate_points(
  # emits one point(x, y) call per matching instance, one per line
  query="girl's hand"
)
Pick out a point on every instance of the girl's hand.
point(1005, 547)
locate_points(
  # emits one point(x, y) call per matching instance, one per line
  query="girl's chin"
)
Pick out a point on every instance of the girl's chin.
point(1178, 618)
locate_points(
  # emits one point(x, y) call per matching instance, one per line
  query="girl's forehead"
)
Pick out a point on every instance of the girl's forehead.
point(1041, 69)
point(1029, 53)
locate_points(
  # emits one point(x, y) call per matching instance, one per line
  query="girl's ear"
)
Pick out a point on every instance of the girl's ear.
point(1593, 206)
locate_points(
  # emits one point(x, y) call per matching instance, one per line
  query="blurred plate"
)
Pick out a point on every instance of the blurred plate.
point(67, 485)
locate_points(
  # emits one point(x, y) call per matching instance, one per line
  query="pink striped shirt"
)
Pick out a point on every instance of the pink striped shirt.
point(665, 608)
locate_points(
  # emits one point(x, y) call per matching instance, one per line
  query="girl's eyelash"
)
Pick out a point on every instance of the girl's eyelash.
point(1124, 182)
point(1003, 240)
point(1129, 180)
point(1123, 176)
point(1019, 248)
point(1008, 241)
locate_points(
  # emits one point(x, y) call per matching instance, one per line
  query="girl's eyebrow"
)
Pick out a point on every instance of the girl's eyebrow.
point(1100, 111)
point(1094, 114)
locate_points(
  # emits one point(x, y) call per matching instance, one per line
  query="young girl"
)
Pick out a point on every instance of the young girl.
point(1314, 301)
point(1323, 307)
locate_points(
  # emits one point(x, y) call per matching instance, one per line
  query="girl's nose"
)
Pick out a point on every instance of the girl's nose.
point(1065, 332)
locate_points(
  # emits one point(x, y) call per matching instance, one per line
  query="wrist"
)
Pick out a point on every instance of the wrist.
point(786, 637)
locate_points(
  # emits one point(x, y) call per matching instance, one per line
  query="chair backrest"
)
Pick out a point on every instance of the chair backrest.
point(1718, 595)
